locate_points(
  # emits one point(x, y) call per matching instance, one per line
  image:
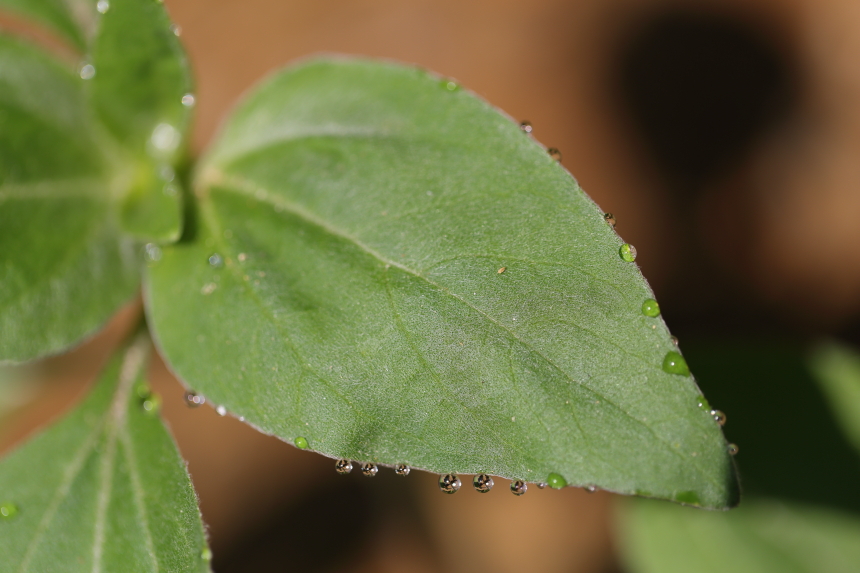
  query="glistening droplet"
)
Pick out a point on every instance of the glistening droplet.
point(221, 410)
point(482, 483)
point(556, 481)
point(165, 138)
point(733, 449)
point(719, 417)
point(151, 404)
point(526, 126)
point(8, 510)
point(206, 554)
point(193, 399)
point(554, 153)
point(88, 72)
point(302, 443)
point(541, 485)
point(627, 252)
point(216, 260)
point(610, 218)
point(651, 308)
point(402, 470)
point(674, 363)
point(188, 100)
point(176, 29)
point(449, 483)
point(519, 487)
point(674, 340)
point(369, 469)
point(102, 6)
point(449, 85)
point(343, 467)
point(591, 488)
point(152, 253)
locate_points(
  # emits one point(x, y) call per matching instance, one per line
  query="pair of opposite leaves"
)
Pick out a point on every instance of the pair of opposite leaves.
point(337, 279)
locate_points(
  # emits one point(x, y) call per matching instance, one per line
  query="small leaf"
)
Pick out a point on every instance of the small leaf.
point(64, 267)
point(102, 490)
point(836, 367)
point(761, 536)
point(358, 214)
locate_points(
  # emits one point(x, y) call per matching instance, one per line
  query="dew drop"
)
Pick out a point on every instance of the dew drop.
point(609, 218)
point(152, 253)
point(482, 483)
point(733, 449)
point(165, 138)
point(142, 391)
point(170, 190)
point(627, 252)
point(556, 481)
point(193, 399)
point(302, 443)
point(651, 308)
point(449, 483)
point(554, 153)
point(88, 72)
point(369, 469)
point(591, 488)
point(526, 126)
point(719, 417)
point(216, 260)
point(703, 403)
point(151, 404)
point(221, 410)
point(449, 85)
point(519, 487)
point(674, 340)
point(8, 510)
point(176, 29)
point(674, 363)
point(188, 100)
point(206, 554)
point(343, 467)
point(541, 485)
point(102, 6)
point(402, 470)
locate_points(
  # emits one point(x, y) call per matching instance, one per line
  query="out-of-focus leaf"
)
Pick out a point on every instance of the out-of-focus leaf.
point(70, 19)
point(761, 536)
point(64, 266)
point(391, 270)
point(102, 490)
point(837, 369)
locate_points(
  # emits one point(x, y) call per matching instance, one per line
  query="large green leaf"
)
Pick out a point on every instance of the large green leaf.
point(762, 536)
point(103, 490)
point(64, 267)
point(387, 267)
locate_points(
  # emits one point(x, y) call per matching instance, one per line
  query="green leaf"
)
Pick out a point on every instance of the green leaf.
point(837, 369)
point(102, 490)
point(141, 76)
point(70, 19)
point(761, 536)
point(385, 266)
point(64, 267)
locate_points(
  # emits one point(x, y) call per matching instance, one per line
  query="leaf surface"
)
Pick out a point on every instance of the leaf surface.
point(102, 490)
point(386, 266)
point(64, 267)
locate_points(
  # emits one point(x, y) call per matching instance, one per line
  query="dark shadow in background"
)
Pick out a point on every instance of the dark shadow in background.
point(701, 89)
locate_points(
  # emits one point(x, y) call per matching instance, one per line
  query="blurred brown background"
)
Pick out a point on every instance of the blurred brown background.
point(724, 136)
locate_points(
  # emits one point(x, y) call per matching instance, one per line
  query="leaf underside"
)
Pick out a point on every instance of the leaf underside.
point(391, 269)
point(102, 490)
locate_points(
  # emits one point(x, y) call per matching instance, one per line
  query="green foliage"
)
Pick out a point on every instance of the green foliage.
point(399, 274)
point(801, 510)
point(102, 490)
point(374, 264)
